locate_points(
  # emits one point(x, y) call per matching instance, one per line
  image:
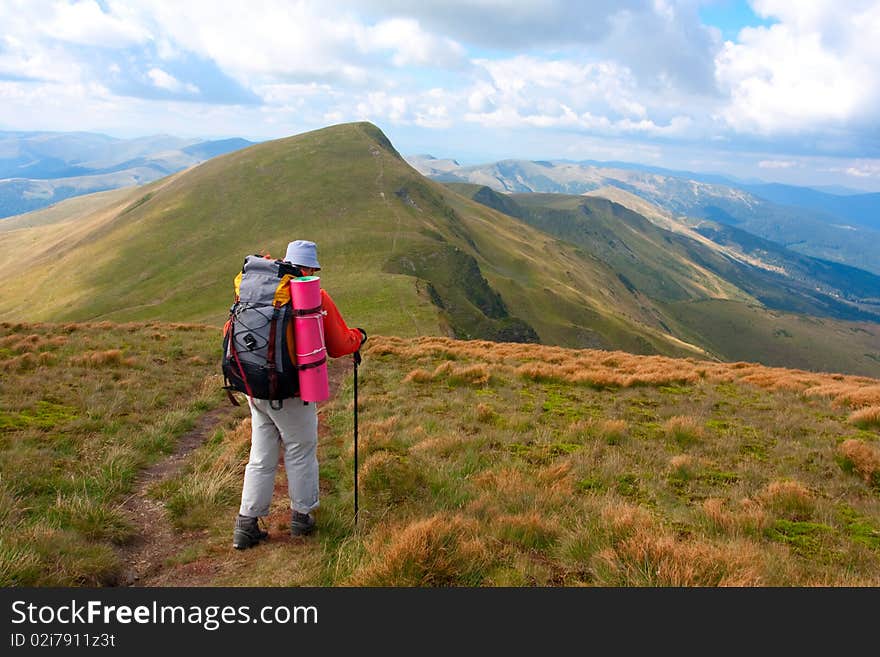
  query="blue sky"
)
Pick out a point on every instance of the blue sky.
point(770, 89)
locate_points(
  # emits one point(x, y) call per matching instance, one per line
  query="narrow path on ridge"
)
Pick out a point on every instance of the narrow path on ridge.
point(156, 539)
point(146, 557)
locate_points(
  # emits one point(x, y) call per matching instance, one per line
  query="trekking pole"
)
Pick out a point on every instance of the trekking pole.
point(357, 358)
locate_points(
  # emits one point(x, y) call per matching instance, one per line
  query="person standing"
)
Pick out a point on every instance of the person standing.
point(293, 427)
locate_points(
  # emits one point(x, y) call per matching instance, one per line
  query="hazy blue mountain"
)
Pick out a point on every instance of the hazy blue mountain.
point(38, 169)
point(858, 209)
point(839, 190)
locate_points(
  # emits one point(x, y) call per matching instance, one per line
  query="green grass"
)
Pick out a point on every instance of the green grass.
point(742, 332)
point(469, 475)
point(466, 485)
point(91, 406)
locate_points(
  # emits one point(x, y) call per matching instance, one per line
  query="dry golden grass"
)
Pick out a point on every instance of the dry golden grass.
point(442, 550)
point(530, 530)
point(858, 396)
point(652, 558)
point(79, 416)
point(491, 464)
point(440, 445)
point(866, 417)
point(106, 358)
point(682, 462)
point(788, 499)
point(19, 363)
point(378, 435)
point(484, 412)
point(865, 459)
point(610, 369)
point(517, 491)
point(684, 429)
point(212, 479)
point(377, 462)
point(418, 375)
point(612, 431)
point(623, 518)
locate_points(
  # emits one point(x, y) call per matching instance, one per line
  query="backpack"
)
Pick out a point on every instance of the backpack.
point(258, 350)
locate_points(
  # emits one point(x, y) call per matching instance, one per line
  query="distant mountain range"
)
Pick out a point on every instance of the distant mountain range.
point(405, 255)
point(844, 229)
point(38, 169)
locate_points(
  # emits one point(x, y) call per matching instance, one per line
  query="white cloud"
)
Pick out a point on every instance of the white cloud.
point(815, 69)
point(859, 169)
point(48, 106)
point(271, 41)
point(621, 69)
point(25, 59)
point(84, 23)
point(776, 164)
point(662, 42)
point(412, 45)
point(510, 24)
point(380, 104)
point(594, 96)
point(168, 82)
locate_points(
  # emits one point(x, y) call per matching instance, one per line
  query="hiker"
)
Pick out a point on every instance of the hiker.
point(294, 426)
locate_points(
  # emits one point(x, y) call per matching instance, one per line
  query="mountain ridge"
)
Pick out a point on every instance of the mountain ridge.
point(401, 253)
point(809, 229)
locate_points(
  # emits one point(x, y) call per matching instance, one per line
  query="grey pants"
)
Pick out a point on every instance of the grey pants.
point(295, 426)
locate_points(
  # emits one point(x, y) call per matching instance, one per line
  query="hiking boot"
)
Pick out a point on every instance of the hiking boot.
point(247, 533)
point(301, 524)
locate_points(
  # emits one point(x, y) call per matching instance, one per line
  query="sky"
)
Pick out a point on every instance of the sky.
point(774, 90)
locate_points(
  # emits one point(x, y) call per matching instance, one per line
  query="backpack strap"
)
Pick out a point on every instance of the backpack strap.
point(270, 355)
point(282, 292)
point(240, 368)
point(227, 335)
point(236, 285)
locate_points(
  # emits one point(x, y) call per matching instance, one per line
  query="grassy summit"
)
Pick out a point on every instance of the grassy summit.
point(406, 256)
point(403, 254)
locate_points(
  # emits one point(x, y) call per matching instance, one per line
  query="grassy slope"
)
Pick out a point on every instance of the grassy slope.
point(673, 267)
point(484, 464)
point(512, 465)
point(172, 251)
point(175, 252)
point(83, 408)
point(70, 209)
point(700, 295)
point(734, 331)
point(654, 260)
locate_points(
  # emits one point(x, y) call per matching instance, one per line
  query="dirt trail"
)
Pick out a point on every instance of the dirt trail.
point(157, 540)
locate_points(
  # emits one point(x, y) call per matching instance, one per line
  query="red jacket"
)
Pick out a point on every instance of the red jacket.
point(338, 338)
